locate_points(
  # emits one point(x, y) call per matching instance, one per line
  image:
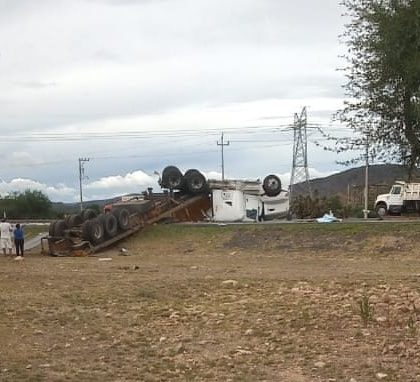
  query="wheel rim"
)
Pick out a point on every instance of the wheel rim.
point(273, 184)
point(197, 184)
point(97, 232)
point(173, 182)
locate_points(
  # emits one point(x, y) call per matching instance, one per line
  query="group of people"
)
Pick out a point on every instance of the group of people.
point(7, 232)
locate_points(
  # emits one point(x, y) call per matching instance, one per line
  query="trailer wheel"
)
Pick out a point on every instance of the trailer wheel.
point(110, 224)
point(74, 220)
point(381, 209)
point(93, 231)
point(272, 185)
point(195, 182)
point(59, 227)
point(88, 214)
point(123, 218)
point(172, 178)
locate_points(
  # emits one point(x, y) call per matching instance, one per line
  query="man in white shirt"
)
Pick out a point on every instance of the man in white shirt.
point(6, 236)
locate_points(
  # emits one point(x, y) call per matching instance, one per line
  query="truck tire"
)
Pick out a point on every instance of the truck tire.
point(93, 231)
point(381, 209)
point(172, 178)
point(123, 218)
point(272, 185)
point(59, 227)
point(74, 220)
point(88, 214)
point(195, 182)
point(110, 224)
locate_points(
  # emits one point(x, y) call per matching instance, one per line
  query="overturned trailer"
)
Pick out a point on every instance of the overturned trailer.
point(187, 197)
point(85, 234)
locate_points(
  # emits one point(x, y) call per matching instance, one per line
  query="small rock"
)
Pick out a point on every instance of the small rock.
point(249, 332)
point(381, 375)
point(319, 364)
point(38, 332)
point(243, 352)
point(233, 253)
point(135, 267)
point(380, 319)
point(353, 380)
point(180, 348)
point(230, 283)
point(105, 259)
point(67, 345)
point(29, 366)
point(123, 251)
point(108, 315)
point(161, 339)
point(83, 338)
point(45, 365)
point(194, 267)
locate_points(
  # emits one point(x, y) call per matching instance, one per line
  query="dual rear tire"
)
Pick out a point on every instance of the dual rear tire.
point(193, 181)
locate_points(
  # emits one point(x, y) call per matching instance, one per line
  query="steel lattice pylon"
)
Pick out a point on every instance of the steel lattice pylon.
point(300, 173)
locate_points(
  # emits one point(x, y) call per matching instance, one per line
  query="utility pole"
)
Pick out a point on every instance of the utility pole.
point(81, 177)
point(300, 172)
point(366, 211)
point(223, 144)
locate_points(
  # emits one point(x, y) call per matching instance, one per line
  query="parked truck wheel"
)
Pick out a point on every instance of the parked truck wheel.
point(195, 182)
point(123, 218)
point(93, 231)
point(110, 224)
point(172, 178)
point(74, 220)
point(88, 214)
point(381, 209)
point(272, 185)
point(59, 227)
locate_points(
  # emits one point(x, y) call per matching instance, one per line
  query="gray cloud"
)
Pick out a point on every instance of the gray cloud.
point(114, 65)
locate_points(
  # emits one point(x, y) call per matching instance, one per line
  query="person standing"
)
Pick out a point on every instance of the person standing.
point(19, 240)
point(6, 236)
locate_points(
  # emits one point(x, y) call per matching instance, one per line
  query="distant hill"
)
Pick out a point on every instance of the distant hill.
point(382, 176)
point(74, 208)
point(352, 181)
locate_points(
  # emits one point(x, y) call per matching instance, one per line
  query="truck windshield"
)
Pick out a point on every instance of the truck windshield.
point(396, 190)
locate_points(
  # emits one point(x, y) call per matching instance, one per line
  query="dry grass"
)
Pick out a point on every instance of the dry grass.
point(290, 311)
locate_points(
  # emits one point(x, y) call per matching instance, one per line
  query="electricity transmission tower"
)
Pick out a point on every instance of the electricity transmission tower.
point(81, 177)
point(300, 173)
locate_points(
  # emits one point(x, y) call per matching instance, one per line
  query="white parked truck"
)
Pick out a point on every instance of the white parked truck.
point(402, 197)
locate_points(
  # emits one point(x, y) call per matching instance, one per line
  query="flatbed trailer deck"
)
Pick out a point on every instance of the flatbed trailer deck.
point(168, 207)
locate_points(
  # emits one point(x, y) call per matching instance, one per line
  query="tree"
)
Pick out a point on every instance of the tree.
point(29, 204)
point(383, 79)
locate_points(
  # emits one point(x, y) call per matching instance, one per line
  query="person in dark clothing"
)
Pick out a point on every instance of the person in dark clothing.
point(19, 240)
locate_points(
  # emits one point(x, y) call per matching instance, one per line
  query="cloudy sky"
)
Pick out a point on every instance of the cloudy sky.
point(136, 85)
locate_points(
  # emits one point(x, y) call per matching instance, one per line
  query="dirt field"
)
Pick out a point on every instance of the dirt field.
point(293, 303)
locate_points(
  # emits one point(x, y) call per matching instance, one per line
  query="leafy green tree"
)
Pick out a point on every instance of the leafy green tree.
point(29, 204)
point(383, 79)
